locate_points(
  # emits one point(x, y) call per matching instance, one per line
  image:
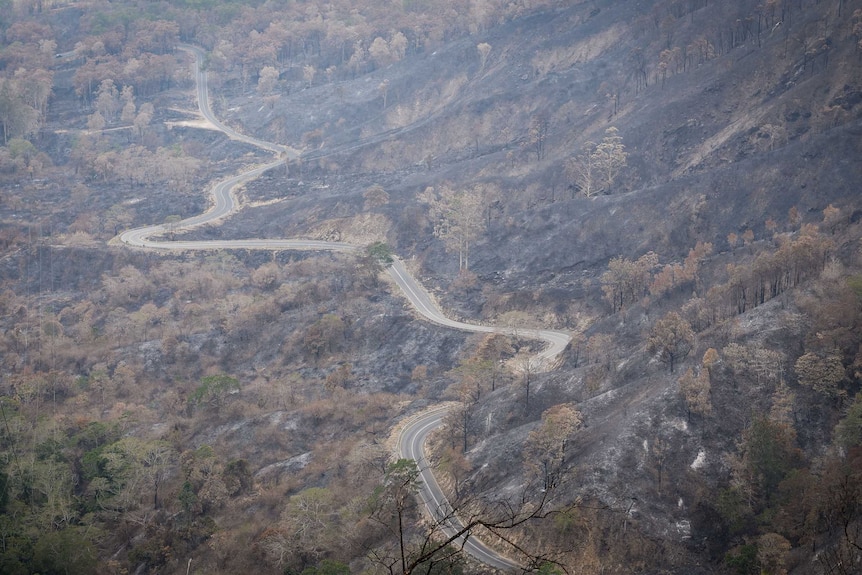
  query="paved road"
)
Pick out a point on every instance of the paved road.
point(411, 445)
point(412, 440)
point(206, 110)
point(546, 359)
point(224, 200)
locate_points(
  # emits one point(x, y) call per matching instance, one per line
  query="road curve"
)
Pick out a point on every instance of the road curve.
point(411, 445)
point(412, 439)
point(556, 341)
point(206, 110)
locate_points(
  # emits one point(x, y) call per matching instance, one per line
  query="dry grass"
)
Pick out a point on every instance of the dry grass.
point(561, 58)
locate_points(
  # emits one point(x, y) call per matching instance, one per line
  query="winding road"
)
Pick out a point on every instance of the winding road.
point(411, 445)
point(412, 438)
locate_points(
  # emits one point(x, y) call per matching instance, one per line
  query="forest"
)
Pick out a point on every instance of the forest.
point(673, 184)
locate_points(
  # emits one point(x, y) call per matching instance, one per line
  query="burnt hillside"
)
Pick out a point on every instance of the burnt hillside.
point(673, 182)
point(742, 124)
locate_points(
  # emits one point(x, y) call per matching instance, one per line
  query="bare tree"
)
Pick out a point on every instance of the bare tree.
point(383, 88)
point(449, 528)
point(308, 74)
point(525, 366)
point(484, 49)
point(610, 157)
point(143, 119)
point(582, 171)
point(626, 281)
point(458, 218)
point(107, 100)
point(538, 134)
point(596, 168)
point(459, 420)
point(127, 115)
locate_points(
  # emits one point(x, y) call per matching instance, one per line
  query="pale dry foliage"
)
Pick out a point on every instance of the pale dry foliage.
point(695, 391)
point(563, 58)
point(545, 449)
point(362, 229)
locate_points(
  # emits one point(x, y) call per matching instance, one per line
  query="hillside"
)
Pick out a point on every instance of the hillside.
point(675, 183)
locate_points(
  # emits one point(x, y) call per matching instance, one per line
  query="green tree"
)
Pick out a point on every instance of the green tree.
point(188, 498)
point(143, 119)
point(207, 480)
point(135, 465)
point(782, 404)
point(848, 432)
point(158, 459)
point(107, 100)
point(69, 551)
point(308, 521)
point(214, 391)
point(477, 373)
point(381, 252)
point(237, 477)
point(743, 560)
point(127, 96)
point(548, 568)
point(35, 87)
point(4, 488)
point(23, 149)
point(379, 51)
point(767, 455)
point(491, 354)
point(327, 567)
point(733, 507)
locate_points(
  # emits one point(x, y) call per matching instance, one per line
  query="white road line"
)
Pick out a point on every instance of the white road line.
point(225, 204)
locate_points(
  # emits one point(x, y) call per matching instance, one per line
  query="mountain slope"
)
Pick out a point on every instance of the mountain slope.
point(737, 132)
point(712, 288)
